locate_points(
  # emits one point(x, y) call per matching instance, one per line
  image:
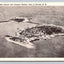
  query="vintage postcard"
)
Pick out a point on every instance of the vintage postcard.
point(31, 31)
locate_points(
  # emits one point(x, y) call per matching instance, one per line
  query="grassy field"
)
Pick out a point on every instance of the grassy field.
point(40, 14)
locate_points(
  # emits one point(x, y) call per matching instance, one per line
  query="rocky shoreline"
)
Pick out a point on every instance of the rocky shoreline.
point(39, 32)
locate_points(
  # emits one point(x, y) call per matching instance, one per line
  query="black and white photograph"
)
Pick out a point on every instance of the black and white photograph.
point(31, 31)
